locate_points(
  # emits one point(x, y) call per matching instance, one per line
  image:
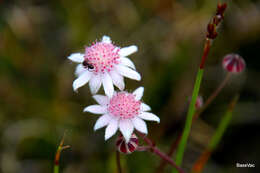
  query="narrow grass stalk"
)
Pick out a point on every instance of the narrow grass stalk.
point(57, 155)
point(187, 127)
point(202, 160)
point(223, 124)
point(211, 35)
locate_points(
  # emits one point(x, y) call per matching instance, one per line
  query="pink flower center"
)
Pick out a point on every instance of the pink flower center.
point(124, 105)
point(103, 56)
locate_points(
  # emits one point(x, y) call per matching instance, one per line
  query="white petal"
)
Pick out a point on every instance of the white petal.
point(95, 109)
point(106, 39)
point(126, 127)
point(108, 85)
point(139, 93)
point(95, 83)
point(102, 100)
point(118, 80)
point(102, 121)
point(81, 80)
point(149, 116)
point(127, 72)
point(76, 57)
point(127, 50)
point(127, 62)
point(80, 69)
point(140, 125)
point(111, 128)
point(145, 107)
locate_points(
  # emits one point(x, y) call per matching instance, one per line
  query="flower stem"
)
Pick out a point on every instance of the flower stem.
point(202, 160)
point(170, 153)
point(57, 155)
point(119, 168)
point(187, 127)
point(159, 153)
point(213, 95)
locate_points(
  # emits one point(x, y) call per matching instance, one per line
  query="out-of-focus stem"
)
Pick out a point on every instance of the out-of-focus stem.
point(119, 168)
point(159, 153)
point(213, 95)
point(202, 160)
point(57, 155)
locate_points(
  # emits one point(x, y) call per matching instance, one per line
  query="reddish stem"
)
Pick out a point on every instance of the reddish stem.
point(170, 153)
point(156, 151)
point(205, 53)
point(198, 166)
point(212, 96)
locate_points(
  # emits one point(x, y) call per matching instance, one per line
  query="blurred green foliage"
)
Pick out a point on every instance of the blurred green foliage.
point(37, 103)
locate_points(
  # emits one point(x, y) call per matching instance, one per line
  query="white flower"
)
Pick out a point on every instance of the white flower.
point(124, 111)
point(104, 63)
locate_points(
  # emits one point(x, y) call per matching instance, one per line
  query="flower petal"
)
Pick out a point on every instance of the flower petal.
point(111, 128)
point(108, 85)
point(81, 80)
point(149, 116)
point(145, 107)
point(139, 93)
point(80, 69)
point(140, 125)
point(95, 83)
point(127, 62)
point(95, 109)
point(102, 121)
point(127, 50)
point(118, 80)
point(76, 57)
point(102, 100)
point(127, 72)
point(126, 127)
point(106, 39)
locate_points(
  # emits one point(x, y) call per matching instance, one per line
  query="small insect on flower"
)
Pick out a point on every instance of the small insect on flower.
point(104, 63)
point(87, 65)
point(233, 63)
point(124, 147)
point(124, 111)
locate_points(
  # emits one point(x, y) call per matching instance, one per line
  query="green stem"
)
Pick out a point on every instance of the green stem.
point(222, 126)
point(186, 132)
point(56, 169)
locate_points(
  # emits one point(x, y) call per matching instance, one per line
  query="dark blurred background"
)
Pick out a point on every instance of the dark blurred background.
point(37, 103)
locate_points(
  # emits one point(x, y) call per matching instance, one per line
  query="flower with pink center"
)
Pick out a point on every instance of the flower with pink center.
point(104, 63)
point(233, 63)
point(123, 111)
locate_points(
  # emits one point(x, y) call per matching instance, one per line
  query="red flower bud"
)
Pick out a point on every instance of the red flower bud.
point(129, 147)
point(199, 102)
point(233, 63)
